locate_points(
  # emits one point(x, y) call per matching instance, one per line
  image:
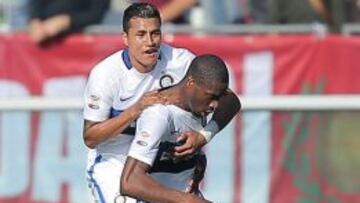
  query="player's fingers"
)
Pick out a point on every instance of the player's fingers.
point(151, 95)
point(181, 137)
point(184, 142)
point(182, 148)
point(151, 98)
point(184, 153)
point(152, 92)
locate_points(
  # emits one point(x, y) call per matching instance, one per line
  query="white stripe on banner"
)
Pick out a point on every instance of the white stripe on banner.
point(256, 130)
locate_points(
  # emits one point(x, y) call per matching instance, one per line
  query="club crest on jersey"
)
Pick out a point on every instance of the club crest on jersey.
point(166, 81)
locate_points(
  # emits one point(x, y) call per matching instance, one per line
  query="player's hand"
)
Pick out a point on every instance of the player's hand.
point(198, 175)
point(150, 98)
point(193, 141)
point(171, 98)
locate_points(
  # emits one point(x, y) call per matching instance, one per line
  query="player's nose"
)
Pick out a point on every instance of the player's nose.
point(149, 40)
point(213, 105)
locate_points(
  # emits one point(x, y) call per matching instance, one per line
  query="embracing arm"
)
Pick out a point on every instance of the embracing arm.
point(229, 106)
point(95, 133)
point(135, 182)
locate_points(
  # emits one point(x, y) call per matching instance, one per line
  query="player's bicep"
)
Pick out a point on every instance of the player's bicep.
point(88, 124)
point(98, 96)
point(134, 165)
point(150, 127)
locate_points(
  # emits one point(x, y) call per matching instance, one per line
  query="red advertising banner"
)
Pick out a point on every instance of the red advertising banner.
point(275, 157)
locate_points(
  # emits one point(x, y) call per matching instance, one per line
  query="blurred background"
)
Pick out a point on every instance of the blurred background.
point(293, 63)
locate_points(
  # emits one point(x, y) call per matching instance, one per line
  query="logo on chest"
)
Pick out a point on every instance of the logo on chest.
point(166, 81)
point(122, 99)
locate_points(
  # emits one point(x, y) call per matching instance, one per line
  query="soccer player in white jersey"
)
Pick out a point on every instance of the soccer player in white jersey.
point(156, 135)
point(118, 90)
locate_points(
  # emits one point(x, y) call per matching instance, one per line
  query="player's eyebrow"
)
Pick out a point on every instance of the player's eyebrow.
point(213, 95)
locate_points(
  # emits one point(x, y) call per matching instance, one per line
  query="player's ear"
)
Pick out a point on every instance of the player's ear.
point(124, 36)
point(190, 82)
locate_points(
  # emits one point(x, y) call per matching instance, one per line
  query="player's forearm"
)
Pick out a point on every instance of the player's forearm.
point(229, 106)
point(137, 184)
point(96, 133)
point(145, 188)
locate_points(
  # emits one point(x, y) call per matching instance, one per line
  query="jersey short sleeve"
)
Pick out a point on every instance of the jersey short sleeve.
point(178, 61)
point(152, 124)
point(99, 93)
point(186, 57)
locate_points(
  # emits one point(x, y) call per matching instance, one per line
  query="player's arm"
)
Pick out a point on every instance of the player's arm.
point(229, 106)
point(136, 183)
point(95, 133)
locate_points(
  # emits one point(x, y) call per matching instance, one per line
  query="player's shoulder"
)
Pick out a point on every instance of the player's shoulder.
point(175, 53)
point(110, 65)
point(157, 108)
point(156, 111)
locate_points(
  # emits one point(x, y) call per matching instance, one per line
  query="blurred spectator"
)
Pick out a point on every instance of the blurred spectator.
point(57, 18)
point(114, 15)
point(351, 11)
point(330, 12)
point(224, 11)
point(296, 11)
point(173, 10)
point(259, 10)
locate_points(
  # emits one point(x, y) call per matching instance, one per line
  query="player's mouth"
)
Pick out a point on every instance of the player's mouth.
point(153, 52)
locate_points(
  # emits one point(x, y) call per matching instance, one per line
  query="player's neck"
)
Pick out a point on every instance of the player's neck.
point(175, 96)
point(140, 67)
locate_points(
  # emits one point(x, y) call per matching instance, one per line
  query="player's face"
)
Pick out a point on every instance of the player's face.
point(203, 99)
point(143, 40)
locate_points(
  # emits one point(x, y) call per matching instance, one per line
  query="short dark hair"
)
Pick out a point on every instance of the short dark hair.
point(208, 69)
point(139, 10)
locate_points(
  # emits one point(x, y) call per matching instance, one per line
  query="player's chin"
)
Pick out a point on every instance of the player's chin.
point(153, 56)
point(149, 60)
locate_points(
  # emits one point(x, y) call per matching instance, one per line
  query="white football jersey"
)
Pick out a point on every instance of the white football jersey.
point(155, 139)
point(114, 85)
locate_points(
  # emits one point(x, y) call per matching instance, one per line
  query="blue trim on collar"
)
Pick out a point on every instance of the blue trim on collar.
point(126, 59)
